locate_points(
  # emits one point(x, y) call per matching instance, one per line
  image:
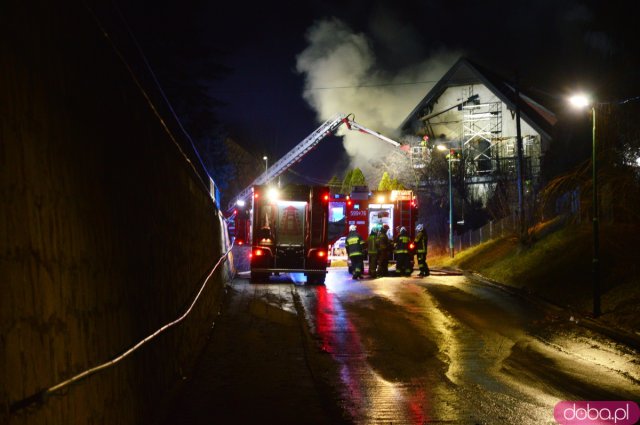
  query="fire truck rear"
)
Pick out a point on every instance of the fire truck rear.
point(289, 231)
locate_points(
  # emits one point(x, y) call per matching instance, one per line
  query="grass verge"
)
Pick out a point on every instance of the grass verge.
point(557, 266)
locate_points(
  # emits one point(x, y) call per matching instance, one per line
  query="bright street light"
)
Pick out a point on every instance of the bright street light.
point(582, 101)
point(266, 163)
point(273, 194)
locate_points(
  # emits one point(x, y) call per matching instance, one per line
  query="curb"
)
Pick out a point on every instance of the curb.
point(617, 335)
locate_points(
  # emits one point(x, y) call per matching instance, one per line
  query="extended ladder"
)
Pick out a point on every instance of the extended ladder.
point(302, 148)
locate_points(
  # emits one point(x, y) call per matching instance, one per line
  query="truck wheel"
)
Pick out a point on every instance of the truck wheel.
point(316, 279)
point(259, 277)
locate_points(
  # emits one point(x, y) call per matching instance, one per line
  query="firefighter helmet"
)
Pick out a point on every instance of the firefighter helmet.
point(352, 228)
point(419, 228)
point(385, 227)
point(402, 229)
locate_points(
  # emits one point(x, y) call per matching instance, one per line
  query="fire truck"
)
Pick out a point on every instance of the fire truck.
point(289, 228)
point(366, 209)
point(241, 214)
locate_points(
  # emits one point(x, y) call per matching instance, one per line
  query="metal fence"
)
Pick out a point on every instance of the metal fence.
point(493, 229)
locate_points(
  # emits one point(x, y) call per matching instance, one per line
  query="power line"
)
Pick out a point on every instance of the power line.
point(244, 89)
point(373, 85)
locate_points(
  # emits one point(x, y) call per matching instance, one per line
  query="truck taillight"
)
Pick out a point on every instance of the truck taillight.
point(240, 242)
point(258, 252)
point(321, 254)
point(325, 197)
point(412, 245)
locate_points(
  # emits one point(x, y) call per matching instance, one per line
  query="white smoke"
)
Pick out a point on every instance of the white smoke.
point(341, 76)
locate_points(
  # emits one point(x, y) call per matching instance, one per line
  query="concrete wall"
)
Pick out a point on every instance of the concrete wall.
point(106, 230)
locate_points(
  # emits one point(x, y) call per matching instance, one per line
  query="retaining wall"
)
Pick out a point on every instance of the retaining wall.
point(106, 231)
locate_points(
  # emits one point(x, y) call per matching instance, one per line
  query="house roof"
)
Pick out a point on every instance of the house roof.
point(465, 72)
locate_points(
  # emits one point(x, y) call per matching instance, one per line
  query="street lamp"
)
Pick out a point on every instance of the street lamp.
point(450, 158)
point(581, 101)
point(266, 163)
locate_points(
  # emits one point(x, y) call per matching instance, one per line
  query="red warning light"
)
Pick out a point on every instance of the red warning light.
point(412, 245)
point(258, 252)
point(255, 195)
point(326, 197)
point(321, 254)
point(349, 203)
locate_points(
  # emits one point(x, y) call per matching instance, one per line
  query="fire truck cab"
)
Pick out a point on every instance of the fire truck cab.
point(289, 231)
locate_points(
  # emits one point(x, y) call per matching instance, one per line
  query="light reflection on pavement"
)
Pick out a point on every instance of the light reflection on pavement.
point(441, 349)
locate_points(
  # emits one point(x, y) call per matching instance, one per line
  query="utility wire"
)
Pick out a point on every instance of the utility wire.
point(307, 178)
point(408, 83)
point(158, 86)
point(358, 86)
point(148, 98)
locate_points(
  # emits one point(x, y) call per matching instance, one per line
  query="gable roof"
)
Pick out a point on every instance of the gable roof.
point(465, 72)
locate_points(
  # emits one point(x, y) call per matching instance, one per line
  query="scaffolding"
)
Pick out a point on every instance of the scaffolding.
point(481, 131)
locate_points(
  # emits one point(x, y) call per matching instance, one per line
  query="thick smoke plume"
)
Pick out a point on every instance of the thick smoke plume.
point(341, 75)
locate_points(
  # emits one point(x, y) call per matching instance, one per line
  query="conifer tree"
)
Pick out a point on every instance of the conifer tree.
point(346, 183)
point(385, 182)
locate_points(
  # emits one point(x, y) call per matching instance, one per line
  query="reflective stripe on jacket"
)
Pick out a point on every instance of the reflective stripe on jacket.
point(354, 244)
point(402, 244)
point(383, 241)
point(372, 244)
point(421, 242)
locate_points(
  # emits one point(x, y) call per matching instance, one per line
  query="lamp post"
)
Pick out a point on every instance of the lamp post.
point(266, 163)
point(582, 101)
point(450, 157)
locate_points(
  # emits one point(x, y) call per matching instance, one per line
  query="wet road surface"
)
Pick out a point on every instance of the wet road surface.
point(442, 349)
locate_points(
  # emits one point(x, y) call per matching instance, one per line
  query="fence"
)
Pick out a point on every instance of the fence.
point(494, 229)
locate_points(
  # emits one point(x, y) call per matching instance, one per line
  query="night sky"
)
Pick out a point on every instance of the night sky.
point(293, 64)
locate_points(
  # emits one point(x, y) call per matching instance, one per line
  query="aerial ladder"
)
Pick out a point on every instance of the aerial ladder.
point(302, 148)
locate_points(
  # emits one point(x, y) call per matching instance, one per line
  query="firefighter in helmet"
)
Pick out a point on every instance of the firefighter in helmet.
point(421, 249)
point(355, 250)
point(403, 268)
point(384, 251)
point(372, 250)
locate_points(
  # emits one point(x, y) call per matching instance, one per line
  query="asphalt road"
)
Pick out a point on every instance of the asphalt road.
point(442, 349)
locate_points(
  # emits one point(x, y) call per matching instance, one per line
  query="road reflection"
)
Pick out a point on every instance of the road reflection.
point(368, 398)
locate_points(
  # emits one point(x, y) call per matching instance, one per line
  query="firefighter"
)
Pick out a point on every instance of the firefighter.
point(355, 250)
point(403, 268)
point(421, 249)
point(372, 249)
point(384, 251)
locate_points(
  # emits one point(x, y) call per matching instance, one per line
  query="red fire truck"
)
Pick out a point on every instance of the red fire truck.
point(289, 231)
point(239, 210)
point(364, 209)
